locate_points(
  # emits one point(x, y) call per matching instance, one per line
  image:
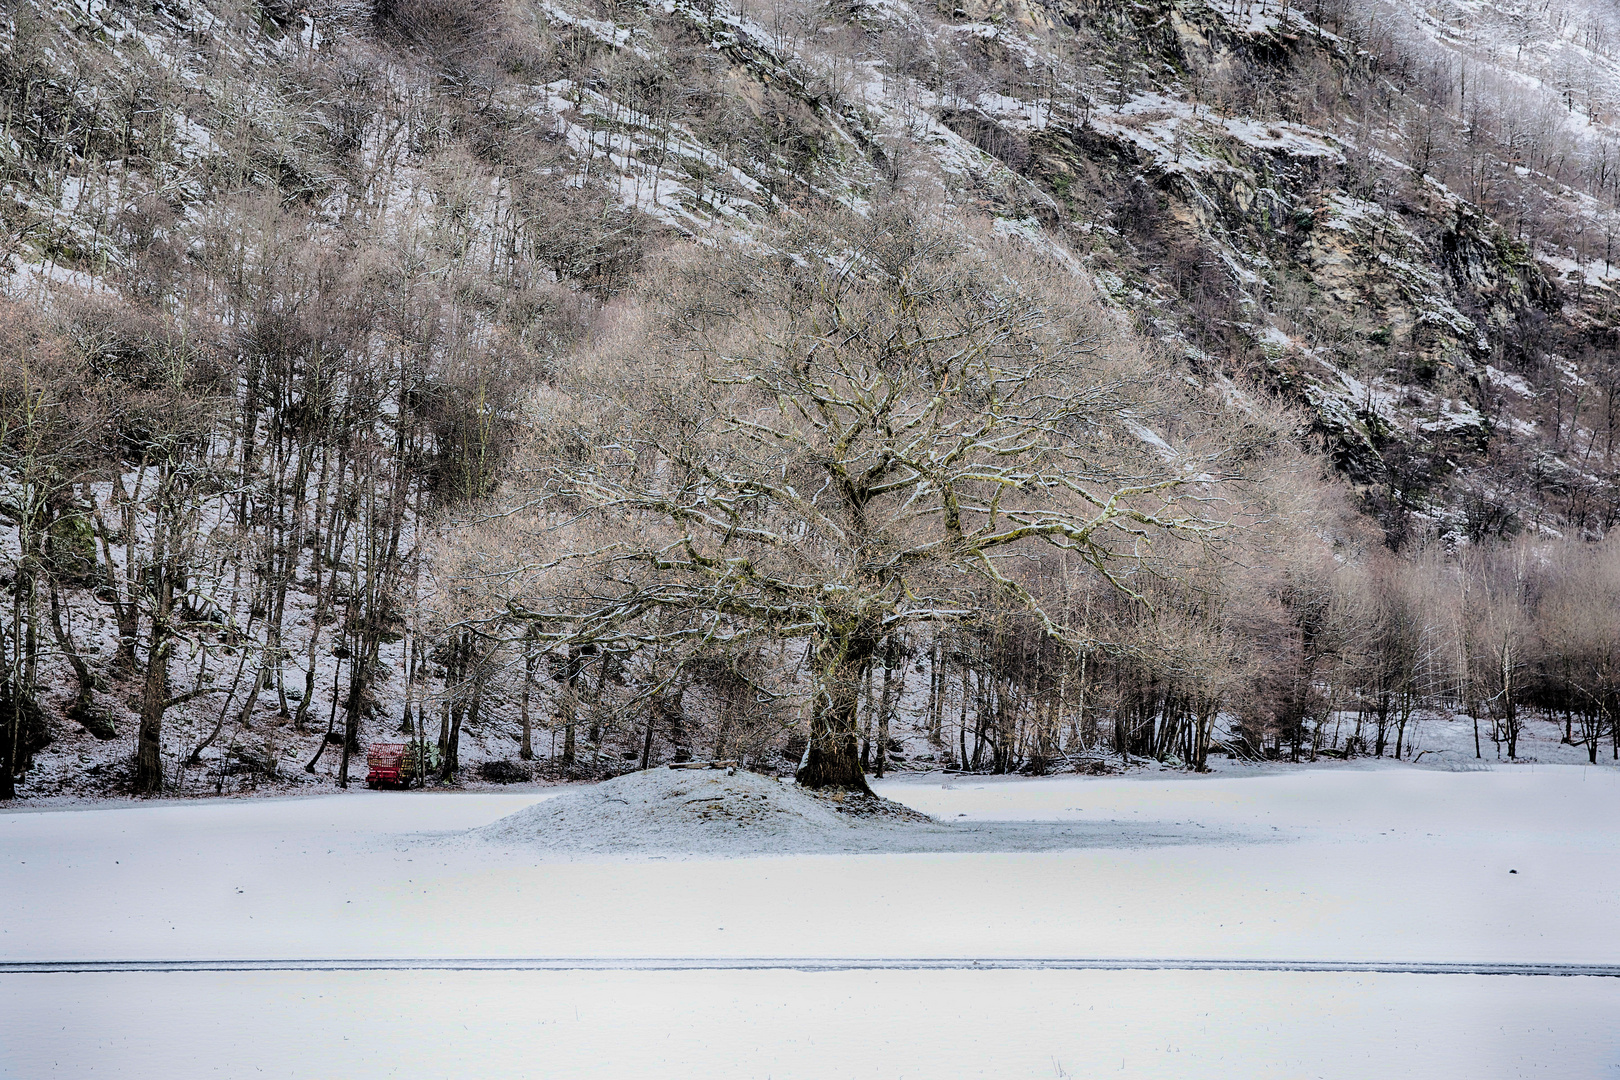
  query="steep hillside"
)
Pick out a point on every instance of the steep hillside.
point(1384, 212)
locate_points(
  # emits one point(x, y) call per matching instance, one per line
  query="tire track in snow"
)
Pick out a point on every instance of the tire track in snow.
point(805, 963)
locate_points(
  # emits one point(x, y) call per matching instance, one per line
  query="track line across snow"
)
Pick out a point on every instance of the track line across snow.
point(802, 963)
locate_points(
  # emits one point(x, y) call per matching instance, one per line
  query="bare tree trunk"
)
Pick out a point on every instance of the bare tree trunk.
point(936, 690)
point(1202, 729)
point(317, 571)
point(80, 709)
point(961, 720)
point(886, 703)
point(155, 693)
point(574, 665)
point(1508, 661)
point(866, 719)
point(124, 603)
point(452, 754)
point(351, 711)
point(454, 708)
point(526, 749)
point(331, 715)
point(833, 758)
point(596, 731)
point(1403, 718)
point(195, 757)
point(444, 730)
point(11, 734)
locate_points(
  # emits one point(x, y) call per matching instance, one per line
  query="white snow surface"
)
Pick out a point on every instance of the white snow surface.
point(1347, 862)
point(893, 1025)
point(1352, 863)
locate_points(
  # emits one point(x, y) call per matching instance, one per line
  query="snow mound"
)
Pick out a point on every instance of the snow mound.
point(715, 814)
point(707, 811)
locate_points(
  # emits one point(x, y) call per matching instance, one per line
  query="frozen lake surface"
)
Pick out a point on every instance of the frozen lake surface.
point(1338, 867)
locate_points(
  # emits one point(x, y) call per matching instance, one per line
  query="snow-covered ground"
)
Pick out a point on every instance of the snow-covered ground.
point(894, 1025)
point(1360, 863)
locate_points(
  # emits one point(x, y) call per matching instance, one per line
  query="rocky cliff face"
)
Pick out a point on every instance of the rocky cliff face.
point(1404, 233)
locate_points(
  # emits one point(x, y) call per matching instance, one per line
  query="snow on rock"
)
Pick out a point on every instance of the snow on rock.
point(1509, 380)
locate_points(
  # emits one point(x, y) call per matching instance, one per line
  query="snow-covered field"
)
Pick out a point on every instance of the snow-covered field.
point(702, 1025)
point(1384, 864)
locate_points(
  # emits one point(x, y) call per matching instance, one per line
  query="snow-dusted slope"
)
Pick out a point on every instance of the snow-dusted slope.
point(1362, 206)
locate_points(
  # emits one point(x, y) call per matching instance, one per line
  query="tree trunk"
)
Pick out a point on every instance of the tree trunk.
point(1404, 718)
point(1510, 706)
point(454, 709)
point(646, 745)
point(936, 686)
point(80, 710)
point(444, 731)
point(866, 720)
point(833, 757)
point(1200, 748)
point(11, 732)
point(597, 730)
point(452, 753)
point(526, 749)
point(351, 712)
point(154, 696)
point(331, 716)
point(317, 570)
point(574, 667)
point(148, 763)
point(195, 757)
point(124, 601)
point(10, 740)
point(886, 703)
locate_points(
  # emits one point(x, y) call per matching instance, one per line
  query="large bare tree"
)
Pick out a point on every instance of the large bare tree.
point(839, 436)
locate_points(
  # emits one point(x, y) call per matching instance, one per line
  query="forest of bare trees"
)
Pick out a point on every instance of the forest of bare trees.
point(874, 491)
point(411, 409)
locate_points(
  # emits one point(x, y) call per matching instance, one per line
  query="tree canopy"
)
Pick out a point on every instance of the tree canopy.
point(840, 437)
